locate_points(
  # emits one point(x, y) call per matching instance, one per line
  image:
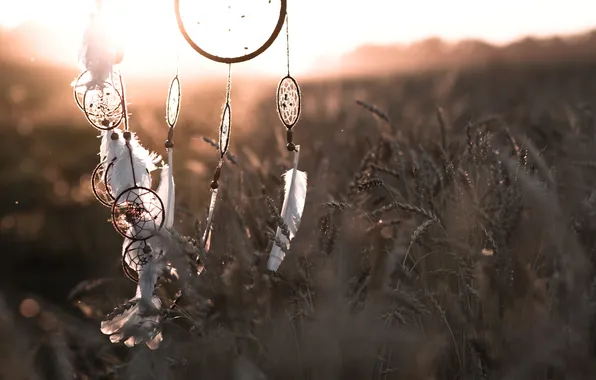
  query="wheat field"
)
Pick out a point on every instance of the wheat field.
point(447, 234)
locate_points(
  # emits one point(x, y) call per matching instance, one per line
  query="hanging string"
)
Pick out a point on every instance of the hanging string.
point(287, 44)
point(229, 83)
point(224, 140)
point(123, 99)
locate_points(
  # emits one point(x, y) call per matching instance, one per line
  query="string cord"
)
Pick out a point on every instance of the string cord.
point(229, 83)
point(123, 101)
point(288, 43)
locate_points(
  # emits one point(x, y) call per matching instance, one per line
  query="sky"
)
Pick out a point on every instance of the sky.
point(318, 28)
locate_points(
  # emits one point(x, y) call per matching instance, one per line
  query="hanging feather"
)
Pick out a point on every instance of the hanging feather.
point(166, 192)
point(132, 163)
point(171, 197)
point(295, 183)
point(110, 148)
point(148, 275)
point(167, 174)
point(106, 145)
point(131, 326)
point(149, 264)
point(140, 322)
point(208, 226)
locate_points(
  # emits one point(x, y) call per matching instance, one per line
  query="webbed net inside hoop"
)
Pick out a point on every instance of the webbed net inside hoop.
point(101, 103)
point(288, 101)
point(136, 255)
point(138, 213)
point(230, 31)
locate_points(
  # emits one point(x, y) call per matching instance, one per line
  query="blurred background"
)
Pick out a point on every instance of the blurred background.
point(522, 59)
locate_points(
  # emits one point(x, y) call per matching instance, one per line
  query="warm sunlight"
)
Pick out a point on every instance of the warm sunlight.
point(317, 28)
point(149, 33)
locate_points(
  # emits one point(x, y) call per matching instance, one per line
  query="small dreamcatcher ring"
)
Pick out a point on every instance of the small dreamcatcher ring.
point(105, 120)
point(237, 59)
point(138, 213)
point(78, 96)
point(136, 252)
point(288, 101)
point(102, 193)
point(129, 272)
point(134, 257)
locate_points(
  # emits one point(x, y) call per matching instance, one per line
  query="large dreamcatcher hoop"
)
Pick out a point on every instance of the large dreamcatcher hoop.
point(186, 31)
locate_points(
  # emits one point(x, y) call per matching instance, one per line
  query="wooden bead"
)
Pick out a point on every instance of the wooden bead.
point(216, 174)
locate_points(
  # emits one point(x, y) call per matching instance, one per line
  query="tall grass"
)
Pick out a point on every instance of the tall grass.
point(463, 250)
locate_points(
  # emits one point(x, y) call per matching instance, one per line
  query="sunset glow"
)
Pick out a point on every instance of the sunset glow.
point(317, 28)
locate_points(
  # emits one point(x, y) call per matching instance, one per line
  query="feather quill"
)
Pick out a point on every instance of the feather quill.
point(295, 186)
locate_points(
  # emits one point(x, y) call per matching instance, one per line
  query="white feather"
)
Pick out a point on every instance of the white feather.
point(148, 275)
point(208, 226)
point(129, 316)
point(149, 268)
point(104, 145)
point(166, 192)
point(295, 186)
point(110, 149)
point(117, 326)
point(120, 176)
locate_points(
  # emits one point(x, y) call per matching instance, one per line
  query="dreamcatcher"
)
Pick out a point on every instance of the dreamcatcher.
point(235, 31)
point(122, 181)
